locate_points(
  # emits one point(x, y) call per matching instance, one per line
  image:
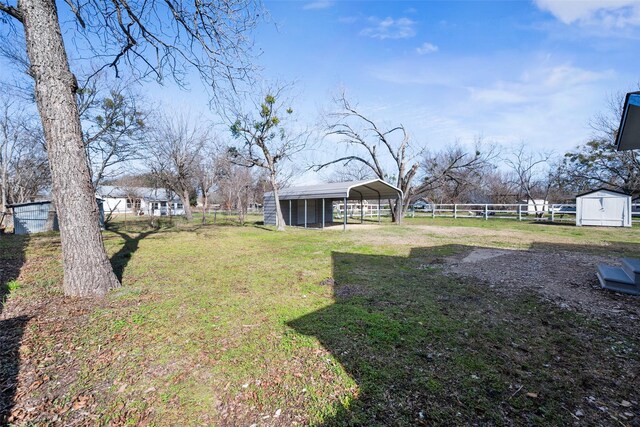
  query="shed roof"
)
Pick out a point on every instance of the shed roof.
point(370, 189)
point(19, 205)
point(603, 189)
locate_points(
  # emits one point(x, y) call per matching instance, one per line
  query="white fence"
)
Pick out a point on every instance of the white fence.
point(353, 211)
point(521, 212)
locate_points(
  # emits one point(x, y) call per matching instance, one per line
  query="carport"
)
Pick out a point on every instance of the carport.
point(313, 204)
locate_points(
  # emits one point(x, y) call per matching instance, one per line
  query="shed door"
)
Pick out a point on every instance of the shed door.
point(607, 211)
point(592, 210)
point(613, 213)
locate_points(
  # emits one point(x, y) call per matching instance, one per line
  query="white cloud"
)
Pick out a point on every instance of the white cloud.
point(538, 84)
point(538, 98)
point(426, 48)
point(319, 4)
point(607, 13)
point(390, 28)
point(348, 19)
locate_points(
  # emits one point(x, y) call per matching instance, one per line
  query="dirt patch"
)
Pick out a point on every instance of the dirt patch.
point(564, 278)
point(343, 292)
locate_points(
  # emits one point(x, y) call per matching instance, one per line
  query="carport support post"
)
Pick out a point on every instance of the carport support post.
point(361, 211)
point(322, 213)
point(305, 213)
point(344, 219)
point(289, 213)
point(378, 209)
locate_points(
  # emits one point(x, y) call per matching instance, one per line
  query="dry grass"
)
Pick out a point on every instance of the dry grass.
point(242, 325)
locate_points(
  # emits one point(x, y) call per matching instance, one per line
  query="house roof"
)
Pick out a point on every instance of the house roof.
point(369, 189)
point(147, 193)
point(603, 189)
point(627, 138)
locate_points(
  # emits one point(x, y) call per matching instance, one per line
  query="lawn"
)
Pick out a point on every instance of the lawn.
point(229, 325)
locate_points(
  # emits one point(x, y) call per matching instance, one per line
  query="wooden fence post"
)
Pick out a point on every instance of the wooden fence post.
point(486, 212)
point(455, 211)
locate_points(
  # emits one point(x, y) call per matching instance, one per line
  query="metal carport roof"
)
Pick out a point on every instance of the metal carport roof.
point(370, 189)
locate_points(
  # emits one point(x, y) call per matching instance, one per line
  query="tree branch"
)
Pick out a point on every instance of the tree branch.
point(11, 11)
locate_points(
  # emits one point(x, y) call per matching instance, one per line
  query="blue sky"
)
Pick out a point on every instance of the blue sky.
point(510, 71)
point(507, 71)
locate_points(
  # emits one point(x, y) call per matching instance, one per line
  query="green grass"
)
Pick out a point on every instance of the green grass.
point(229, 324)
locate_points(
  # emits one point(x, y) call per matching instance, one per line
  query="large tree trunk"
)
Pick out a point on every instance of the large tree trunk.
point(87, 271)
point(185, 205)
point(276, 198)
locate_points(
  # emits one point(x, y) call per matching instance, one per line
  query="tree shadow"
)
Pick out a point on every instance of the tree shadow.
point(120, 259)
point(12, 258)
point(11, 331)
point(428, 349)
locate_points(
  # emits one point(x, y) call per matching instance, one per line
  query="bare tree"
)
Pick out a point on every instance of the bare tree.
point(206, 176)
point(24, 171)
point(597, 163)
point(500, 186)
point(352, 172)
point(454, 173)
point(114, 126)
point(264, 141)
point(11, 131)
point(151, 37)
point(178, 142)
point(533, 173)
point(234, 183)
point(388, 153)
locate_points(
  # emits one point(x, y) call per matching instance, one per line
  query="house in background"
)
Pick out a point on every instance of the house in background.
point(139, 201)
point(421, 204)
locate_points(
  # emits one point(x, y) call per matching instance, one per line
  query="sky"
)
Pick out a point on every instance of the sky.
point(507, 71)
point(510, 72)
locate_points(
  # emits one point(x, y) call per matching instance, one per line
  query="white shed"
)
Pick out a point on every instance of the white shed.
point(603, 207)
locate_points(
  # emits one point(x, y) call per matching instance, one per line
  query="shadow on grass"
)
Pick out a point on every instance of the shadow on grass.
point(12, 258)
point(120, 259)
point(11, 331)
point(427, 349)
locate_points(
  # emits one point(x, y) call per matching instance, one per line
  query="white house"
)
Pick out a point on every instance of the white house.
point(139, 201)
point(603, 207)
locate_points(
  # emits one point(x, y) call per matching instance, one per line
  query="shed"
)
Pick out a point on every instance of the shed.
point(313, 204)
point(603, 207)
point(39, 217)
